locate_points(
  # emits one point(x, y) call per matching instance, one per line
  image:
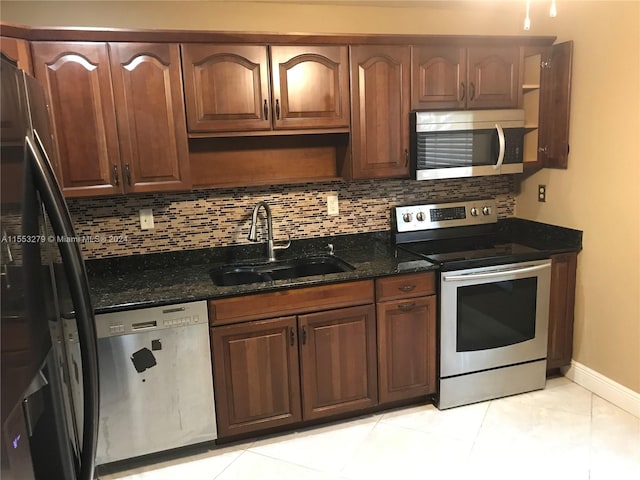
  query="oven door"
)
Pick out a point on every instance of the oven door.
point(494, 316)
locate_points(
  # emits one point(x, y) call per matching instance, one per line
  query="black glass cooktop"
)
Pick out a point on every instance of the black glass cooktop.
point(484, 249)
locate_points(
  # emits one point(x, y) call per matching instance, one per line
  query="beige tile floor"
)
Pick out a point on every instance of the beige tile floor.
point(562, 432)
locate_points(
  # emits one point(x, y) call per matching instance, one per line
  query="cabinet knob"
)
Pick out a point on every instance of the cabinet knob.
point(463, 91)
point(277, 109)
point(127, 174)
point(472, 91)
point(265, 108)
point(292, 336)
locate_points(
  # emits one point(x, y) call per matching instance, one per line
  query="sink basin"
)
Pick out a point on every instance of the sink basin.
point(242, 274)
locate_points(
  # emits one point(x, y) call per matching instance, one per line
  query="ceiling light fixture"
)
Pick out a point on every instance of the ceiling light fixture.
point(553, 12)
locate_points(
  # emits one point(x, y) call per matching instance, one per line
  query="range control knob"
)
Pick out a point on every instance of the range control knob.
point(407, 217)
point(486, 211)
point(420, 216)
point(474, 212)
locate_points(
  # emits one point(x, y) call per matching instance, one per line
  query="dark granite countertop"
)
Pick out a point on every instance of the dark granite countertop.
point(124, 283)
point(138, 281)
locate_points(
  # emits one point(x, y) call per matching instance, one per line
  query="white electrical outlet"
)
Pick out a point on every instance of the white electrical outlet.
point(146, 218)
point(333, 207)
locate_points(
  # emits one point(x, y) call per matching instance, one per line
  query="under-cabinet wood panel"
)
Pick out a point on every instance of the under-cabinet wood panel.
point(256, 375)
point(17, 50)
point(290, 301)
point(338, 361)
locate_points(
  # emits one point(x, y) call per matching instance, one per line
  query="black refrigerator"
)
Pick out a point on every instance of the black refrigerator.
point(49, 366)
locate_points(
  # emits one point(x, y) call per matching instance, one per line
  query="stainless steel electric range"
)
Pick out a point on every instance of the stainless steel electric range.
point(493, 300)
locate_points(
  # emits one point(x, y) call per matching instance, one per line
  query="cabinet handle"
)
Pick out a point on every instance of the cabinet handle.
point(406, 288)
point(265, 108)
point(463, 91)
point(304, 335)
point(405, 307)
point(472, 91)
point(116, 177)
point(292, 336)
point(277, 109)
point(127, 174)
point(406, 157)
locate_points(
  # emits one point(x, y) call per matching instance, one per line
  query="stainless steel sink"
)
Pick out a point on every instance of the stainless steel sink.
point(242, 274)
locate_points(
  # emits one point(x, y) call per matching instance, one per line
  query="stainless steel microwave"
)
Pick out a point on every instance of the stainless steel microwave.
point(466, 143)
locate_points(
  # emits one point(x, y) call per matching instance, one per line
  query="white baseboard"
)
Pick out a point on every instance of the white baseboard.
point(604, 387)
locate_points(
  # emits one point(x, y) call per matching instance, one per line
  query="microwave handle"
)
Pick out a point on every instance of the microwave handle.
point(502, 143)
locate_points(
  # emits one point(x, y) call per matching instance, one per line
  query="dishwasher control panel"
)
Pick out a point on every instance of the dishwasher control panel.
point(154, 318)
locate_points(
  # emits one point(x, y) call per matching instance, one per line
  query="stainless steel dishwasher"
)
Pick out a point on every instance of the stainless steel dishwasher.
point(156, 386)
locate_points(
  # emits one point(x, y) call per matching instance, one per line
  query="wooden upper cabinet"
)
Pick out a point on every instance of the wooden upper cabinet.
point(232, 88)
point(17, 50)
point(380, 91)
point(147, 85)
point(310, 86)
point(438, 78)
point(555, 98)
point(338, 361)
point(226, 87)
point(77, 82)
point(448, 77)
point(493, 77)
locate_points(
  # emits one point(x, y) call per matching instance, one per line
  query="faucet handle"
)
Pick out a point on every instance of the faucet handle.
point(283, 246)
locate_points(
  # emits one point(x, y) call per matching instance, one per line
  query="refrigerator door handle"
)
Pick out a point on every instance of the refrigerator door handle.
point(52, 198)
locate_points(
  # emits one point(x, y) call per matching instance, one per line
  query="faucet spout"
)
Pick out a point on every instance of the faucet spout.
point(253, 234)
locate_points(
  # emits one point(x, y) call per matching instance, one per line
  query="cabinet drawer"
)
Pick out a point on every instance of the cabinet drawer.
point(287, 302)
point(405, 286)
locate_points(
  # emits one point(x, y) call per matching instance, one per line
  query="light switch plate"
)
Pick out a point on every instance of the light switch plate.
point(146, 218)
point(333, 207)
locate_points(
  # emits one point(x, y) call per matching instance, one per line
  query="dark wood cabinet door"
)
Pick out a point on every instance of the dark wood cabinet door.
point(493, 77)
point(438, 77)
point(147, 85)
point(338, 361)
point(310, 86)
point(561, 309)
point(406, 348)
point(380, 91)
point(256, 375)
point(226, 87)
point(77, 82)
point(17, 50)
point(555, 97)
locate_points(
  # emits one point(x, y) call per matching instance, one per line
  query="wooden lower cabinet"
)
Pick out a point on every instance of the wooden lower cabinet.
point(256, 377)
point(561, 309)
point(406, 348)
point(269, 373)
point(338, 361)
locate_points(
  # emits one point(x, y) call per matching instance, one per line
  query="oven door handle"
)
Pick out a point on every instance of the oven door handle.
point(502, 143)
point(493, 274)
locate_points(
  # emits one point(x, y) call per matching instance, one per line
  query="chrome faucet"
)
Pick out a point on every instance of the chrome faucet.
point(253, 234)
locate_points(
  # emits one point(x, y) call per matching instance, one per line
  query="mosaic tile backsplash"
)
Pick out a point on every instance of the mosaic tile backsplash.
point(217, 218)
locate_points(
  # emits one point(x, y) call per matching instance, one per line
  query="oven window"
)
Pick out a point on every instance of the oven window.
point(496, 314)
